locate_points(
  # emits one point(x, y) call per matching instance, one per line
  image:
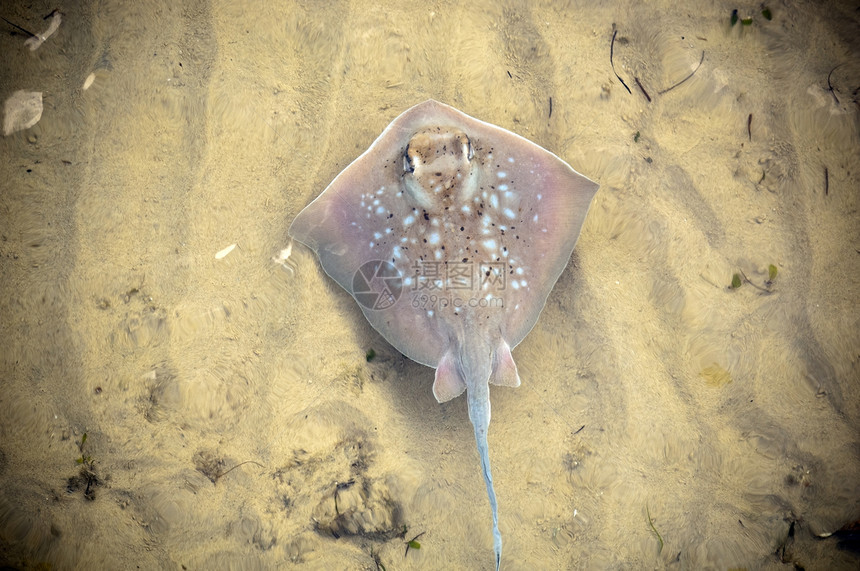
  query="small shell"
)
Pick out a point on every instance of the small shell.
point(89, 81)
point(22, 110)
point(225, 251)
point(283, 258)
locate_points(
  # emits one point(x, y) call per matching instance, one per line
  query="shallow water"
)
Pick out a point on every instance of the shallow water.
point(227, 401)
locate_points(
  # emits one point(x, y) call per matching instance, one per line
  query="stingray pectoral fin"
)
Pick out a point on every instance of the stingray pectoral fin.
point(448, 383)
point(504, 369)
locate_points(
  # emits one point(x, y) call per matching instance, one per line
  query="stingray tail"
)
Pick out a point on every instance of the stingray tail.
point(479, 414)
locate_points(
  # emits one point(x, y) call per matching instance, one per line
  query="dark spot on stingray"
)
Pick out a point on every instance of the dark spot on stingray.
point(461, 228)
point(426, 217)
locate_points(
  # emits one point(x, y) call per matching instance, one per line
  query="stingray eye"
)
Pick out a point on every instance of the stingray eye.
point(408, 165)
point(468, 151)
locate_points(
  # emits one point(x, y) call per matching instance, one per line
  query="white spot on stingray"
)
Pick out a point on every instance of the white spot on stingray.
point(407, 281)
point(519, 271)
point(494, 200)
point(429, 313)
point(371, 245)
point(434, 222)
point(437, 254)
point(539, 196)
point(395, 251)
point(535, 218)
point(510, 159)
point(433, 238)
point(489, 244)
point(501, 174)
point(377, 235)
point(503, 187)
point(515, 284)
point(376, 202)
point(381, 190)
point(408, 220)
point(403, 240)
point(509, 213)
point(388, 230)
point(466, 209)
point(380, 210)
point(523, 283)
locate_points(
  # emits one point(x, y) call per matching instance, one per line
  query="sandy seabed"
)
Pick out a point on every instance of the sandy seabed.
point(232, 419)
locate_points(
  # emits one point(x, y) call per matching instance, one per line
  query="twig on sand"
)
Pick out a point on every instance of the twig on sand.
point(668, 89)
point(829, 85)
point(645, 93)
point(654, 529)
point(612, 63)
point(32, 35)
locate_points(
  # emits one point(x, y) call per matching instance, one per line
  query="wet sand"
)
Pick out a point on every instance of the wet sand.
point(232, 419)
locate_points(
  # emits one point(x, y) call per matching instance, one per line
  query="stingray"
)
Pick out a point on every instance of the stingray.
point(450, 233)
